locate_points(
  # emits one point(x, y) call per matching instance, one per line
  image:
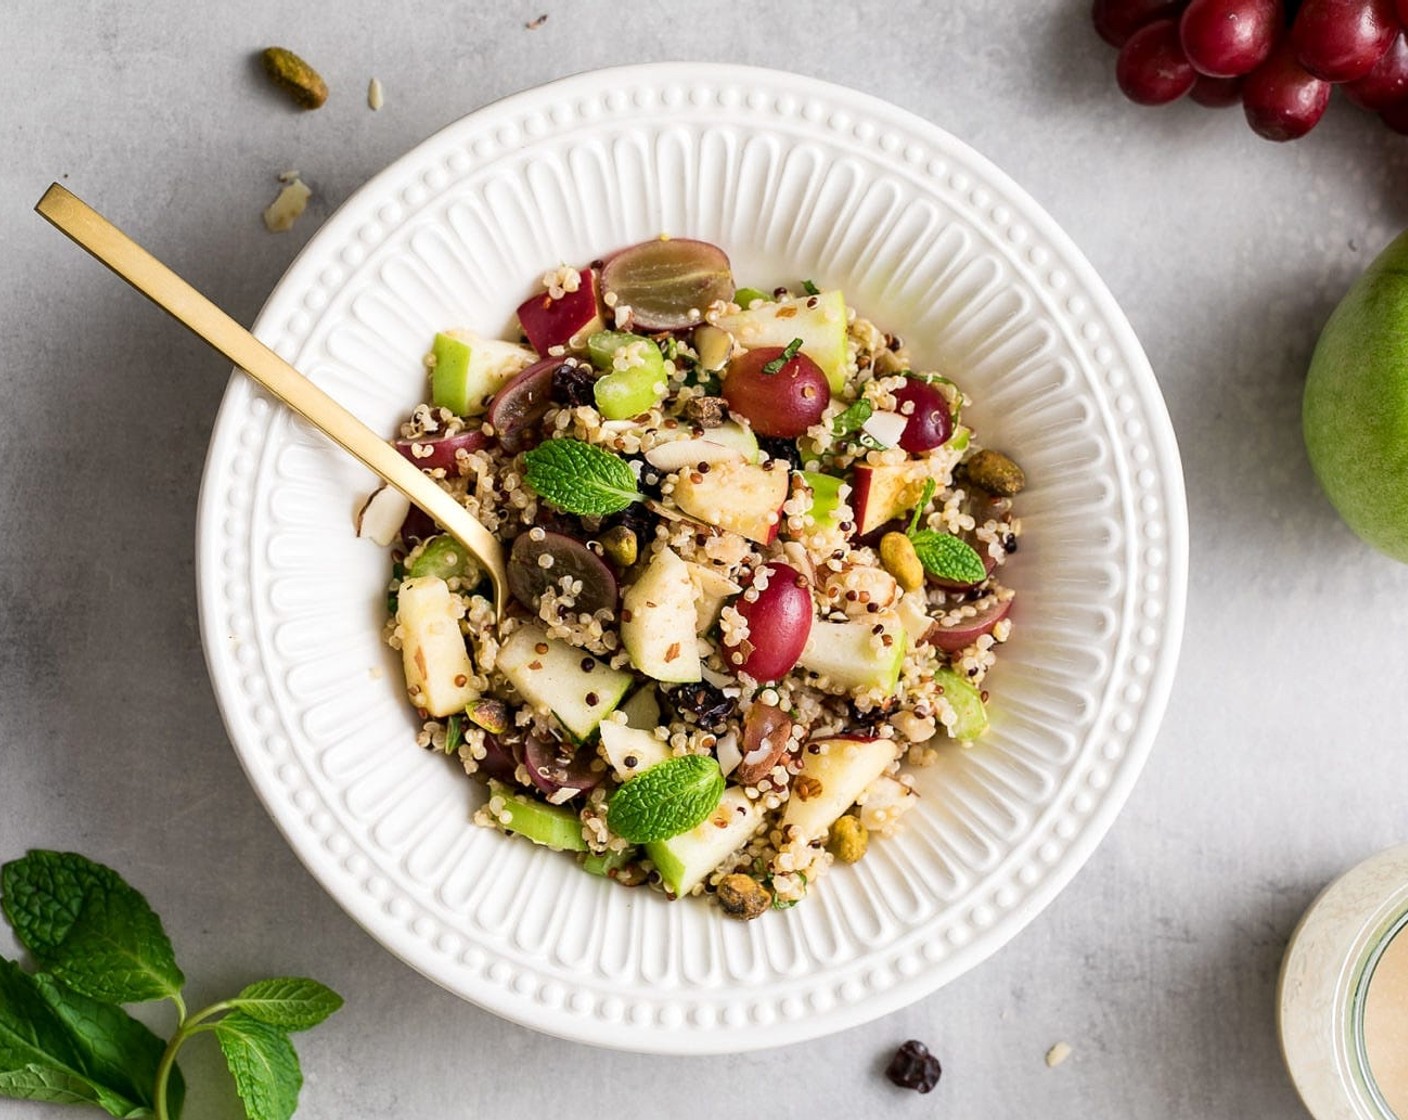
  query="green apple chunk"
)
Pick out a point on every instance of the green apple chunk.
point(826, 498)
point(967, 703)
point(733, 434)
point(552, 826)
point(642, 708)
point(741, 497)
point(437, 664)
point(551, 674)
point(630, 750)
point(819, 321)
point(685, 861)
point(840, 770)
point(658, 619)
point(635, 379)
point(468, 370)
point(853, 656)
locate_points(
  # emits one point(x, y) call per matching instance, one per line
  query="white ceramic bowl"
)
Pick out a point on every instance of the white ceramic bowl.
point(795, 179)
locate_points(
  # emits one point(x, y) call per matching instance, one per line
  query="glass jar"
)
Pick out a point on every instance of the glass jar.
point(1326, 979)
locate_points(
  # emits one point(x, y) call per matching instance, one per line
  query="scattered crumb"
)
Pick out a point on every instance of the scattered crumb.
point(376, 672)
point(1057, 1054)
point(534, 24)
point(286, 209)
point(375, 97)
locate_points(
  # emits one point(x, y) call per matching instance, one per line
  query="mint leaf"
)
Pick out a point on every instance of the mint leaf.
point(947, 557)
point(788, 353)
point(670, 798)
point(52, 1086)
point(117, 1051)
point(849, 422)
point(56, 1045)
point(810, 288)
point(264, 1065)
point(924, 499)
point(581, 478)
point(290, 1002)
point(83, 923)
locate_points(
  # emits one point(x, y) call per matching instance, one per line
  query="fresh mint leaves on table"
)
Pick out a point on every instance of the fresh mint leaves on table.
point(943, 555)
point(669, 798)
point(581, 478)
point(65, 1039)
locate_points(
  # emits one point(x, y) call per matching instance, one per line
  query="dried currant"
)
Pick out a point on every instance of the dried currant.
point(913, 1067)
point(784, 449)
point(703, 704)
point(572, 384)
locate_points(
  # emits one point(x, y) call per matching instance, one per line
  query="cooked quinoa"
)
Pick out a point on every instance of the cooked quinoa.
point(782, 743)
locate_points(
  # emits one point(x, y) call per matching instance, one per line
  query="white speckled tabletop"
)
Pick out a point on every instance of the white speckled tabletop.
point(1285, 750)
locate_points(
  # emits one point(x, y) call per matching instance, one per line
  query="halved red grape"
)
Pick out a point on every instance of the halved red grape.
point(571, 317)
point(521, 402)
point(930, 424)
point(440, 451)
point(500, 760)
point(1116, 20)
point(1281, 99)
point(1341, 40)
point(1216, 93)
point(667, 284)
point(784, 401)
point(969, 629)
point(1228, 38)
point(1387, 83)
point(529, 577)
point(555, 765)
point(1403, 12)
point(1152, 68)
point(779, 621)
point(767, 736)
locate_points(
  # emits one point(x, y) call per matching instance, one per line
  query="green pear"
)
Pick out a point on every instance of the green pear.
point(1355, 411)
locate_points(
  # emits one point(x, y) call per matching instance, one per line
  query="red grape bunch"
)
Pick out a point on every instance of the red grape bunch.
point(1279, 58)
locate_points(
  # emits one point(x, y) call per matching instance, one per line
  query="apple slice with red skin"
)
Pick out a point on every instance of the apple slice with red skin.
point(440, 451)
point(883, 493)
point(549, 322)
point(966, 631)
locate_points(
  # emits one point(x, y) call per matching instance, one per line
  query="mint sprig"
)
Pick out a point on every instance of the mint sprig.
point(943, 555)
point(789, 352)
point(849, 422)
point(946, 557)
point(670, 798)
point(63, 1036)
point(581, 478)
point(810, 288)
point(924, 499)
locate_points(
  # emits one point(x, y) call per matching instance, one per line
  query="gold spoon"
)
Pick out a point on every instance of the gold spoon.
point(100, 237)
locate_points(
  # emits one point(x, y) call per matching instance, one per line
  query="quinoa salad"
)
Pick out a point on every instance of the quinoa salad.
point(755, 558)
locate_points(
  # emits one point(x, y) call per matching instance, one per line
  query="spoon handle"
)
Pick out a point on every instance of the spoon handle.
point(90, 230)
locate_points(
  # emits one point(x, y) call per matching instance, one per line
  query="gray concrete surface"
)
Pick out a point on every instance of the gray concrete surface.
point(1284, 756)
